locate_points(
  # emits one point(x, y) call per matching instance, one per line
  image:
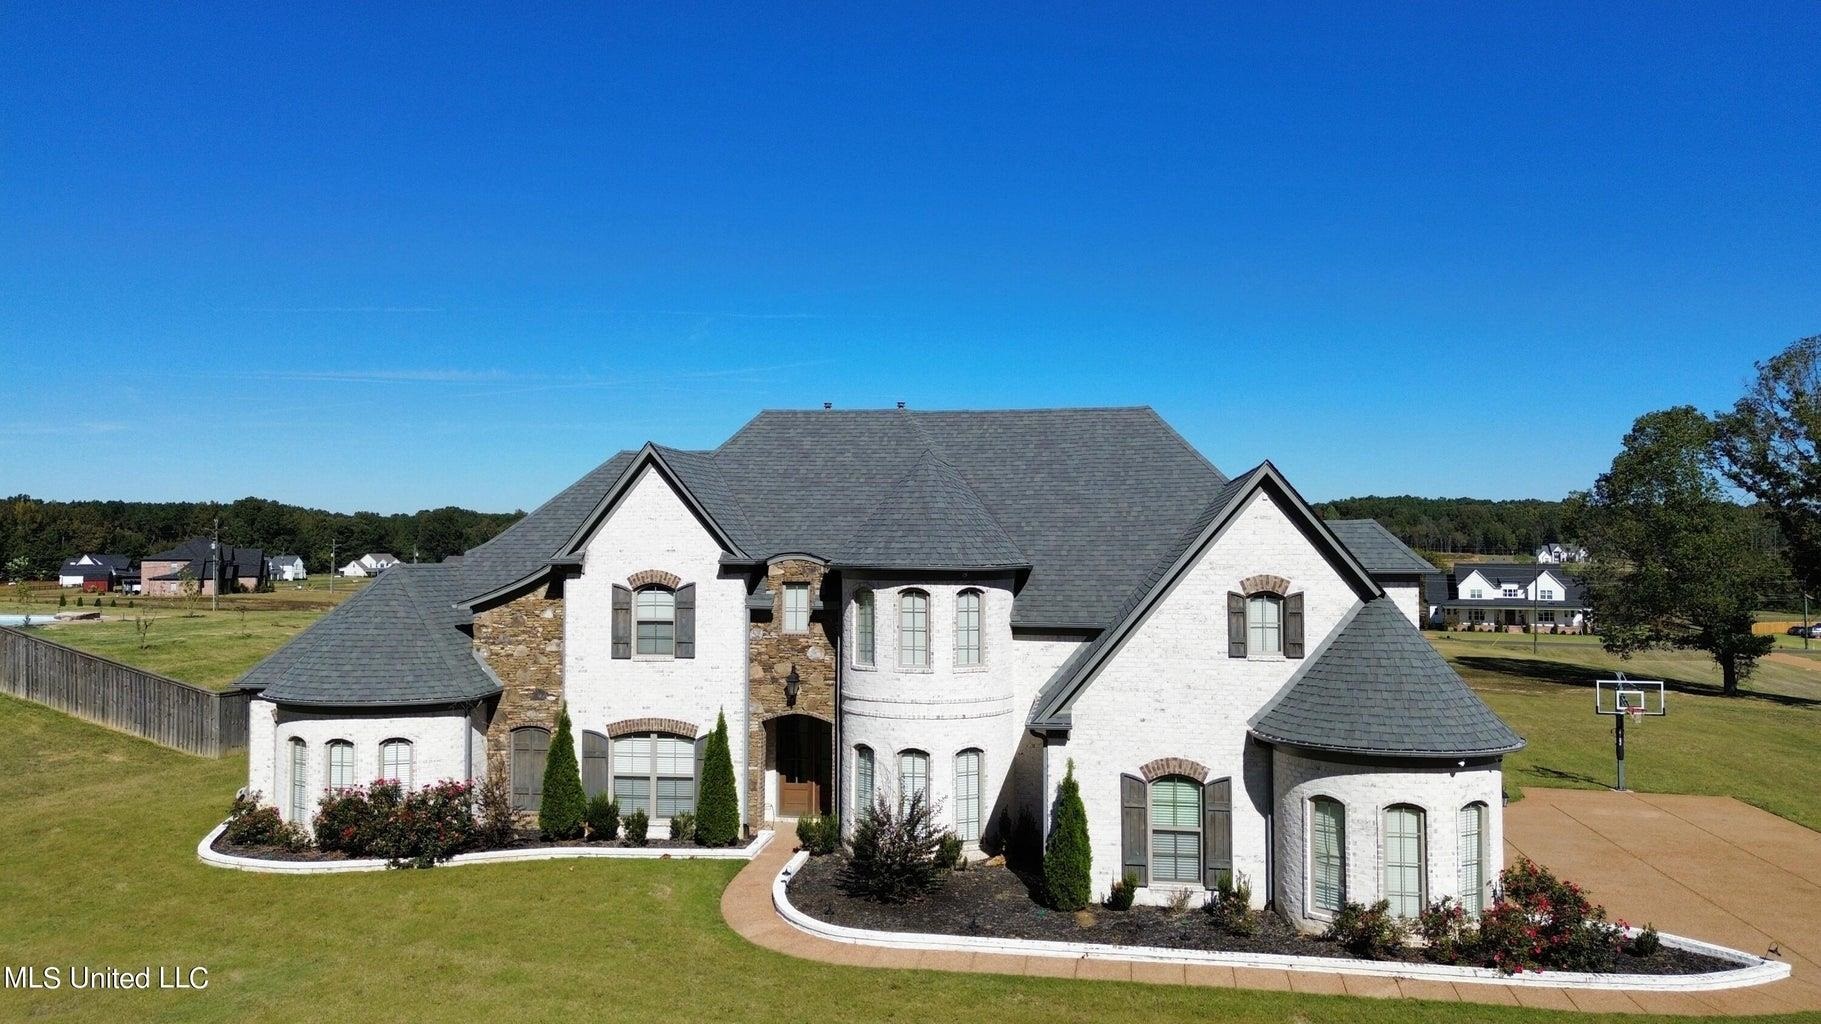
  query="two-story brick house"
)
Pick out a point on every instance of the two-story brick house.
point(957, 603)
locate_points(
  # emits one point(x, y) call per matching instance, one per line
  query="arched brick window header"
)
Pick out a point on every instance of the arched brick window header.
point(654, 578)
point(629, 726)
point(1174, 766)
point(1264, 583)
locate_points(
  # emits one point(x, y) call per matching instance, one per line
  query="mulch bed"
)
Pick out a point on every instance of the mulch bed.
point(523, 841)
point(998, 902)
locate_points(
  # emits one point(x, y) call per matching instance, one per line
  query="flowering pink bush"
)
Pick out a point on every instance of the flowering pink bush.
point(416, 829)
point(1540, 922)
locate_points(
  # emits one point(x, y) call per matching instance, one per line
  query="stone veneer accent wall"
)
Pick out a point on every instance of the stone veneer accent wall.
point(773, 652)
point(522, 642)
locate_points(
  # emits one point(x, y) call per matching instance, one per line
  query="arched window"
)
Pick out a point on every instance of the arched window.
point(654, 772)
point(865, 642)
point(1327, 855)
point(967, 628)
point(1175, 830)
point(530, 748)
point(656, 611)
point(1264, 624)
point(341, 765)
point(913, 629)
point(967, 796)
point(1404, 857)
point(866, 792)
point(300, 775)
point(397, 761)
point(913, 777)
point(1473, 857)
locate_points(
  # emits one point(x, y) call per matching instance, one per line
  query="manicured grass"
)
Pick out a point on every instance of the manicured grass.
point(1797, 677)
point(97, 867)
point(1756, 747)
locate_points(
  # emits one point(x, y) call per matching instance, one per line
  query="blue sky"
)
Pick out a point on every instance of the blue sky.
point(383, 258)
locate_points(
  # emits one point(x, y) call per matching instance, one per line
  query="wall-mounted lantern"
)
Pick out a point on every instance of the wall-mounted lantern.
point(791, 683)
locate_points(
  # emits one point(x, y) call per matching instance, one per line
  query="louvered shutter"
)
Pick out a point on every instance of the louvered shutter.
point(686, 621)
point(1236, 625)
point(1293, 626)
point(701, 753)
point(622, 622)
point(594, 763)
point(1132, 824)
point(1217, 832)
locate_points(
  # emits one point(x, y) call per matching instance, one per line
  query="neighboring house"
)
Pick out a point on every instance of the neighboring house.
point(1506, 595)
point(371, 564)
point(98, 573)
point(286, 568)
point(226, 571)
point(1561, 554)
point(959, 604)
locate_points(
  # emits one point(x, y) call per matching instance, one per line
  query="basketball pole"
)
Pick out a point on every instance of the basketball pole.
point(1618, 743)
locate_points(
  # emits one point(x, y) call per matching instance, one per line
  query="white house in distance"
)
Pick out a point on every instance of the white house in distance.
point(1507, 595)
point(286, 568)
point(1561, 554)
point(370, 564)
point(962, 604)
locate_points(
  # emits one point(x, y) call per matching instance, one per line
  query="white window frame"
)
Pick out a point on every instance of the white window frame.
point(1473, 855)
point(1152, 830)
point(338, 765)
point(1315, 908)
point(1511, 592)
point(970, 654)
point(300, 780)
point(652, 775)
point(913, 777)
point(970, 765)
point(405, 779)
point(1264, 638)
point(866, 783)
point(913, 630)
point(640, 618)
point(796, 607)
point(1420, 898)
point(866, 629)
point(1545, 595)
point(1476, 594)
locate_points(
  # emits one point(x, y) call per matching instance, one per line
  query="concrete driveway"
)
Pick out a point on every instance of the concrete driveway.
point(1707, 867)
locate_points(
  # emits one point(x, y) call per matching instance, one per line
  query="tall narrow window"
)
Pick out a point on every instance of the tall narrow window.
point(1327, 854)
point(341, 764)
point(967, 796)
point(530, 748)
point(1264, 624)
point(865, 646)
point(657, 621)
point(655, 773)
point(300, 767)
point(796, 607)
point(913, 629)
point(866, 792)
point(967, 628)
point(1473, 857)
point(395, 761)
point(913, 777)
point(1404, 860)
point(1175, 830)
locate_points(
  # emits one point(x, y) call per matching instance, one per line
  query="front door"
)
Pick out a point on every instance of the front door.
point(804, 756)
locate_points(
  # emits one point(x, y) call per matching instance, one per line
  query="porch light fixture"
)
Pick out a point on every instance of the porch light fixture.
point(791, 682)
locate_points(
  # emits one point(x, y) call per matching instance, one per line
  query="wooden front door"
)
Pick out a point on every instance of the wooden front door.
point(804, 755)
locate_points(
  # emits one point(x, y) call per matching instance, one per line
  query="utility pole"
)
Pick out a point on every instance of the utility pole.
point(1538, 579)
point(1805, 620)
point(215, 556)
point(331, 565)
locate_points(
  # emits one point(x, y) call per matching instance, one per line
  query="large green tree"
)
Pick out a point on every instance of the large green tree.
point(1674, 564)
point(1770, 446)
point(564, 808)
point(1067, 855)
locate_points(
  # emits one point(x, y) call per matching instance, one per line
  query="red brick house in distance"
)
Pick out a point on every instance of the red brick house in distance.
point(235, 570)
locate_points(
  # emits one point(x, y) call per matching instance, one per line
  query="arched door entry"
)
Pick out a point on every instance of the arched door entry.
point(805, 754)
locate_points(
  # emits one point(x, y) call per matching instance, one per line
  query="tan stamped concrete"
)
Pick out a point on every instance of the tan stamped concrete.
point(1706, 867)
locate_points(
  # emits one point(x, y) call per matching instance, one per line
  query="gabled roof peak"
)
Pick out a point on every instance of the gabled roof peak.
point(931, 519)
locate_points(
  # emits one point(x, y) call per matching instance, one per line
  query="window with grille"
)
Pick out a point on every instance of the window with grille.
point(967, 628)
point(866, 793)
point(913, 777)
point(1264, 624)
point(865, 646)
point(967, 796)
point(654, 772)
point(913, 629)
point(1327, 854)
point(1473, 857)
point(395, 761)
point(1175, 830)
point(796, 607)
point(1404, 860)
point(656, 610)
point(341, 764)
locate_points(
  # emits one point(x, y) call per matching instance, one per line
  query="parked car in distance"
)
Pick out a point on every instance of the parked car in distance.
point(1813, 632)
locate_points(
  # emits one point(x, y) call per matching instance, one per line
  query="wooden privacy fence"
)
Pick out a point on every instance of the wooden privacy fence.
point(101, 690)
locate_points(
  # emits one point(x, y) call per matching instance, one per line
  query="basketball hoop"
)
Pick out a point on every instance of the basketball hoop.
point(1627, 701)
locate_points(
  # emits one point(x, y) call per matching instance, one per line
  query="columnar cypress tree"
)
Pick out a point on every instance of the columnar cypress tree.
point(718, 808)
point(1066, 856)
point(565, 806)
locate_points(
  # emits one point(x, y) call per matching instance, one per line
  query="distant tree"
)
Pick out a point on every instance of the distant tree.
point(718, 810)
point(564, 808)
point(1769, 445)
point(1673, 562)
point(189, 589)
point(1067, 857)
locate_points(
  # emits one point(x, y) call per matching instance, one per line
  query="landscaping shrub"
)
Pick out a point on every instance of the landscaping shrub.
point(564, 807)
point(1370, 932)
point(253, 824)
point(1123, 892)
point(1540, 922)
point(1447, 931)
point(718, 807)
point(948, 851)
point(1231, 905)
point(1067, 857)
point(427, 826)
point(63, 600)
point(892, 852)
point(496, 820)
point(637, 825)
point(682, 826)
point(603, 818)
point(1645, 943)
point(344, 822)
point(819, 834)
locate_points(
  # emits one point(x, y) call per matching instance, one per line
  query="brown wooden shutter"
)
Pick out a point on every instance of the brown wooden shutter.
point(1133, 825)
point(1236, 625)
point(1217, 832)
point(1293, 626)
point(622, 622)
point(695, 801)
point(594, 763)
point(521, 769)
point(686, 621)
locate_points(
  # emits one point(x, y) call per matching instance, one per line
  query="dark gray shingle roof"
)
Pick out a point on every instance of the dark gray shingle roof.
point(526, 545)
point(397, 642)
point(1378, 687)
point(931, 519)
point(1377, 548)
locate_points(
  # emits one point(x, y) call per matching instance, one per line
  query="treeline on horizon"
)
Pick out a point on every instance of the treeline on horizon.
point(47, 533)
point(1476, 526)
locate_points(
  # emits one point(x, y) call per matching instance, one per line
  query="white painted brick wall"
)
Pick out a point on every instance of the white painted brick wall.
point(1408, 598)
point(440, 741)
point(1366, 790)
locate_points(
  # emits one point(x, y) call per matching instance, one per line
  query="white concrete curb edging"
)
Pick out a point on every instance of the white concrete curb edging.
point(206, 852)
point(1752, 970)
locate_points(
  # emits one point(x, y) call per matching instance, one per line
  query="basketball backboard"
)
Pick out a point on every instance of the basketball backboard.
point(1635, 697)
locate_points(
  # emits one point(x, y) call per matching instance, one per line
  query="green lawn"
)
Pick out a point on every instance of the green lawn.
point(98, 867)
